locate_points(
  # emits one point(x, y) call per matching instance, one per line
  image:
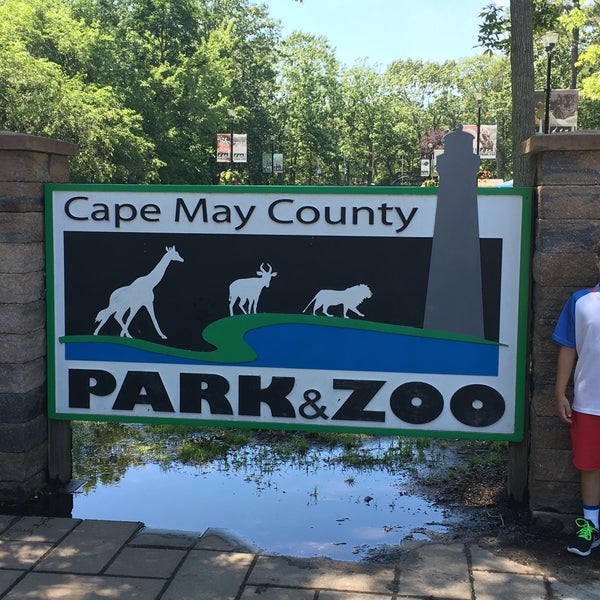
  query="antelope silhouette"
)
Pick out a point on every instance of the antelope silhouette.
point(248, 290)
point(138, 294)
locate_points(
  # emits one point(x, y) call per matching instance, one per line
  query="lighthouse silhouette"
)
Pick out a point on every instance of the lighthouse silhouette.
point(454, 300)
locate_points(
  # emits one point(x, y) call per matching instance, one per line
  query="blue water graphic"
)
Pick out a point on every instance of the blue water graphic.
point(298, 346)
point(354, 349)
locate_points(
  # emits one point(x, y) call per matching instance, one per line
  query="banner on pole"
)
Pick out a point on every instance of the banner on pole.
point(240, 147)
point(564, 106)
point(223, 147)
point(488, 139)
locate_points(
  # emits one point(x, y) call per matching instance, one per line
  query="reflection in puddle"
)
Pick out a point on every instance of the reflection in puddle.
point(293, 509)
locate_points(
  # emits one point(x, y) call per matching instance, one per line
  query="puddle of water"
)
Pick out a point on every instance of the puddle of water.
point(321, 510)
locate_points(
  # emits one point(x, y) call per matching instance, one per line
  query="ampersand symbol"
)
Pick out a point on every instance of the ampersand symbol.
point(312, 397)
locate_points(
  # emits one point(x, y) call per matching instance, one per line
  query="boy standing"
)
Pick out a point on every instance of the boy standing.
point(578, 333)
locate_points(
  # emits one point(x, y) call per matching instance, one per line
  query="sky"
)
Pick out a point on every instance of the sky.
point(382, 31)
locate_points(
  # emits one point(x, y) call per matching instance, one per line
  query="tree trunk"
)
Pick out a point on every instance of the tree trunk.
point(523, 127)
point(574, 51)
point(574, 58)
point(522, 79)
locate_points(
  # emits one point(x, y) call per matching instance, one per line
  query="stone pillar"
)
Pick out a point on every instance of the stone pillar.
point(26, 163)
point(567, 229)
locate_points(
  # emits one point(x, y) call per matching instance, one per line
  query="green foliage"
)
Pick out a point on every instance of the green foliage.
point(230, 177)
point(202, 451)
point(143, 87)
point(494, 30)
point(495, 26)
point(43, 92)
point(577, 54)
point(309, 108)
point(430, 183)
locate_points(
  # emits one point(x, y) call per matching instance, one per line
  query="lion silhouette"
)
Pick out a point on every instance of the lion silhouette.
point(350, 298)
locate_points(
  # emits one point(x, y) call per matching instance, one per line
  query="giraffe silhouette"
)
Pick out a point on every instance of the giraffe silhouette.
point(136, 295)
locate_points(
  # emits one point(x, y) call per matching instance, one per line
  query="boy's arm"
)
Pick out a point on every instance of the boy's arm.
point(566, 361)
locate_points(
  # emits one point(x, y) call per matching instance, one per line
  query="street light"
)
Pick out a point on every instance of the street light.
point(431, 154)
point(549, 40)
point(272, 155)
point(479, 97)
point(231, 115)
point(277, 138)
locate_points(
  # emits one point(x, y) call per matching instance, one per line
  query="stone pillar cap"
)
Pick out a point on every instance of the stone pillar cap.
point(571, 141)
point(33, 143)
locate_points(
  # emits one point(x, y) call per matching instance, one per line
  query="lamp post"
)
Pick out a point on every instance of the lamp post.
point(279, 138)
point(431, 154)
point(549, 40)
point(231, 115)
point(479, 97)
point(272, 155)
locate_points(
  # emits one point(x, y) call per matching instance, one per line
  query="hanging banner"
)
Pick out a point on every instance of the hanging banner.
point(564, 106)
point(488, 139)
point(223, 147)
point(240, 148)
point(267, 165)
point(280, 307)
point(277, 162)
point(272, 163)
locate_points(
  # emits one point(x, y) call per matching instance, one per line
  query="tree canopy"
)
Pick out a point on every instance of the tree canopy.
point(144, 86)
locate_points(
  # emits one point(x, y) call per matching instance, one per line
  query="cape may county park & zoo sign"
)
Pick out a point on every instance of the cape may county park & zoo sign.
point(378, 310)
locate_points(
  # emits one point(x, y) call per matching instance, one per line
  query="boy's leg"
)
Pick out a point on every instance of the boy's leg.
point(590, 494)
point(585, 440)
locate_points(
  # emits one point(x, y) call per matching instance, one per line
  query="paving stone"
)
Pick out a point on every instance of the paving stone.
point(508, 586)
point(206, 575)
point(164, 539)
point(482, 560)
point(59, 558)
point(352, 596)
point(58, 586)
point(436, 571)
point(146, 562)
point(21, 555)
point(89, 547)
point(263, 593)
point(40, 529)
point(321, 574)
point(224, 541)
point(582, 591)
point(7, 578)
point(5, 522)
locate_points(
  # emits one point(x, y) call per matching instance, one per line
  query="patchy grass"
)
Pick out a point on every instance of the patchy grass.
point(475, 478)
point(102, 452)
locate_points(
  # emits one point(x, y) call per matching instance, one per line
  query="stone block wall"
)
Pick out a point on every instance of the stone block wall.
point(26, 163)
point(567, 229)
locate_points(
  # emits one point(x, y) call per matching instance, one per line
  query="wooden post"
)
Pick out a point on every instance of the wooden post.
point(60, 463)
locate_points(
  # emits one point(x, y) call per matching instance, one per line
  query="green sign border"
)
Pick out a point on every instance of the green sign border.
point(521, 375)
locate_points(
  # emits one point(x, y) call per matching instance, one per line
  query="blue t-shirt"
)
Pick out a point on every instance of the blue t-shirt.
point(578, 327)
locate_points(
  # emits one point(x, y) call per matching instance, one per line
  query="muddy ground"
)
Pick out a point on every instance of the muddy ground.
point(493, 522)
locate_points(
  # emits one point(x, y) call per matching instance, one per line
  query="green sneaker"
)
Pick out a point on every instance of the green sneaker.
point(586, 539)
